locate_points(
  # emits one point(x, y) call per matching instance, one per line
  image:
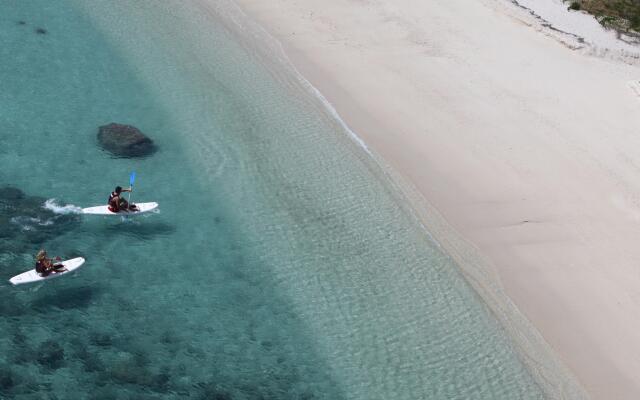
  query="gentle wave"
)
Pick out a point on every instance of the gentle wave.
point(51, 205)
point(28, 223)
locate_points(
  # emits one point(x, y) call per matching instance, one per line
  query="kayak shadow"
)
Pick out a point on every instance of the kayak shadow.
point(140, 230)
point(67, 299)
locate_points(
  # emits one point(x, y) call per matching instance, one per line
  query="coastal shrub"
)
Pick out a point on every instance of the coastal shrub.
point(622, 15)
point(607, 21)
point(574, 6)
point(635, 22)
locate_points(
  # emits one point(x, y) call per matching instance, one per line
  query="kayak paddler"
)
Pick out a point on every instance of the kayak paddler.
point(117, 203)
point(45, 265)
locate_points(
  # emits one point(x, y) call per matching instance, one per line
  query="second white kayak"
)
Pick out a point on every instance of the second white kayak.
point(104, 210)
point(32, 276)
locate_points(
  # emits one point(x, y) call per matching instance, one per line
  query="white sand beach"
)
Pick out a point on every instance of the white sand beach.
point(529, 148)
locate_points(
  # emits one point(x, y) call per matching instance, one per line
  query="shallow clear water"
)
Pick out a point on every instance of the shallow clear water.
point(281, 264)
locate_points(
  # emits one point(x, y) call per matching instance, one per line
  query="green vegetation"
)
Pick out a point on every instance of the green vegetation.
point(575, 6)
point(622, 15)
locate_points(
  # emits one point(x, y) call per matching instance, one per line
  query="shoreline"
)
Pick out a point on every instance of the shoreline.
point(375, 285)
point(601, 374)
point(556, 381)
point(547, 370)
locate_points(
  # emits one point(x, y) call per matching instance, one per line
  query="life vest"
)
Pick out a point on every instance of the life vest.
point(112, 196)
point(40, 268)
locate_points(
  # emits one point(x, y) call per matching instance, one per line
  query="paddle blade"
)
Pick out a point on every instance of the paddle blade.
point(132, 178)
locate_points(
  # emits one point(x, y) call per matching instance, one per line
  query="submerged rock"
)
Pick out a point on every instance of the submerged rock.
point(125, 140)
point(41, 31)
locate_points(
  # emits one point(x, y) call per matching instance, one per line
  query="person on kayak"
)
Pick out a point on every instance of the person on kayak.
point(117, 203)
point(45, 265)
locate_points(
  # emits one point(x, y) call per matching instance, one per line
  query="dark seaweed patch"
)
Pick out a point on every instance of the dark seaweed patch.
point(211, 391)
point(11, 193)
point(89, 359)
point(131, 370)
point(11, 309)
point(101, 339)
point(51, 354)
point(160, 382)
point(18, 338)
point(7, 379)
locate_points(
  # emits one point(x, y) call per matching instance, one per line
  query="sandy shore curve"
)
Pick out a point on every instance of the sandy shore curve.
point(528, 148)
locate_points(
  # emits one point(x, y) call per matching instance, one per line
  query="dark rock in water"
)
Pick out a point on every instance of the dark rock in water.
point(125, 140)
point(22, 22)
point(41, 31)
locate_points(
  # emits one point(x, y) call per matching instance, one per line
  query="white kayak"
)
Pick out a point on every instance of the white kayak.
point(33, 276)
point(104, 210)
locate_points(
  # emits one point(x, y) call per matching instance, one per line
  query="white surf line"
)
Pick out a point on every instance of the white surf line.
point(326, 103)
point(334, 113)
point(301, 78)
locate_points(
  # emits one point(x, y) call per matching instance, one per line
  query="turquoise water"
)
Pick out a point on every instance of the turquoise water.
point(281, 264)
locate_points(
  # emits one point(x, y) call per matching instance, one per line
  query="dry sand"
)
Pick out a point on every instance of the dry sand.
point(528, 148)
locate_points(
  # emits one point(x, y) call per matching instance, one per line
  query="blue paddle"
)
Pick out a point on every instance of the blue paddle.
point(132, 178)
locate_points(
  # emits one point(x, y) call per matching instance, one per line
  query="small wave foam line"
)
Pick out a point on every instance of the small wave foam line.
point(242, 20)
point(58, 209)
point(334, 113)
point(24, 222)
